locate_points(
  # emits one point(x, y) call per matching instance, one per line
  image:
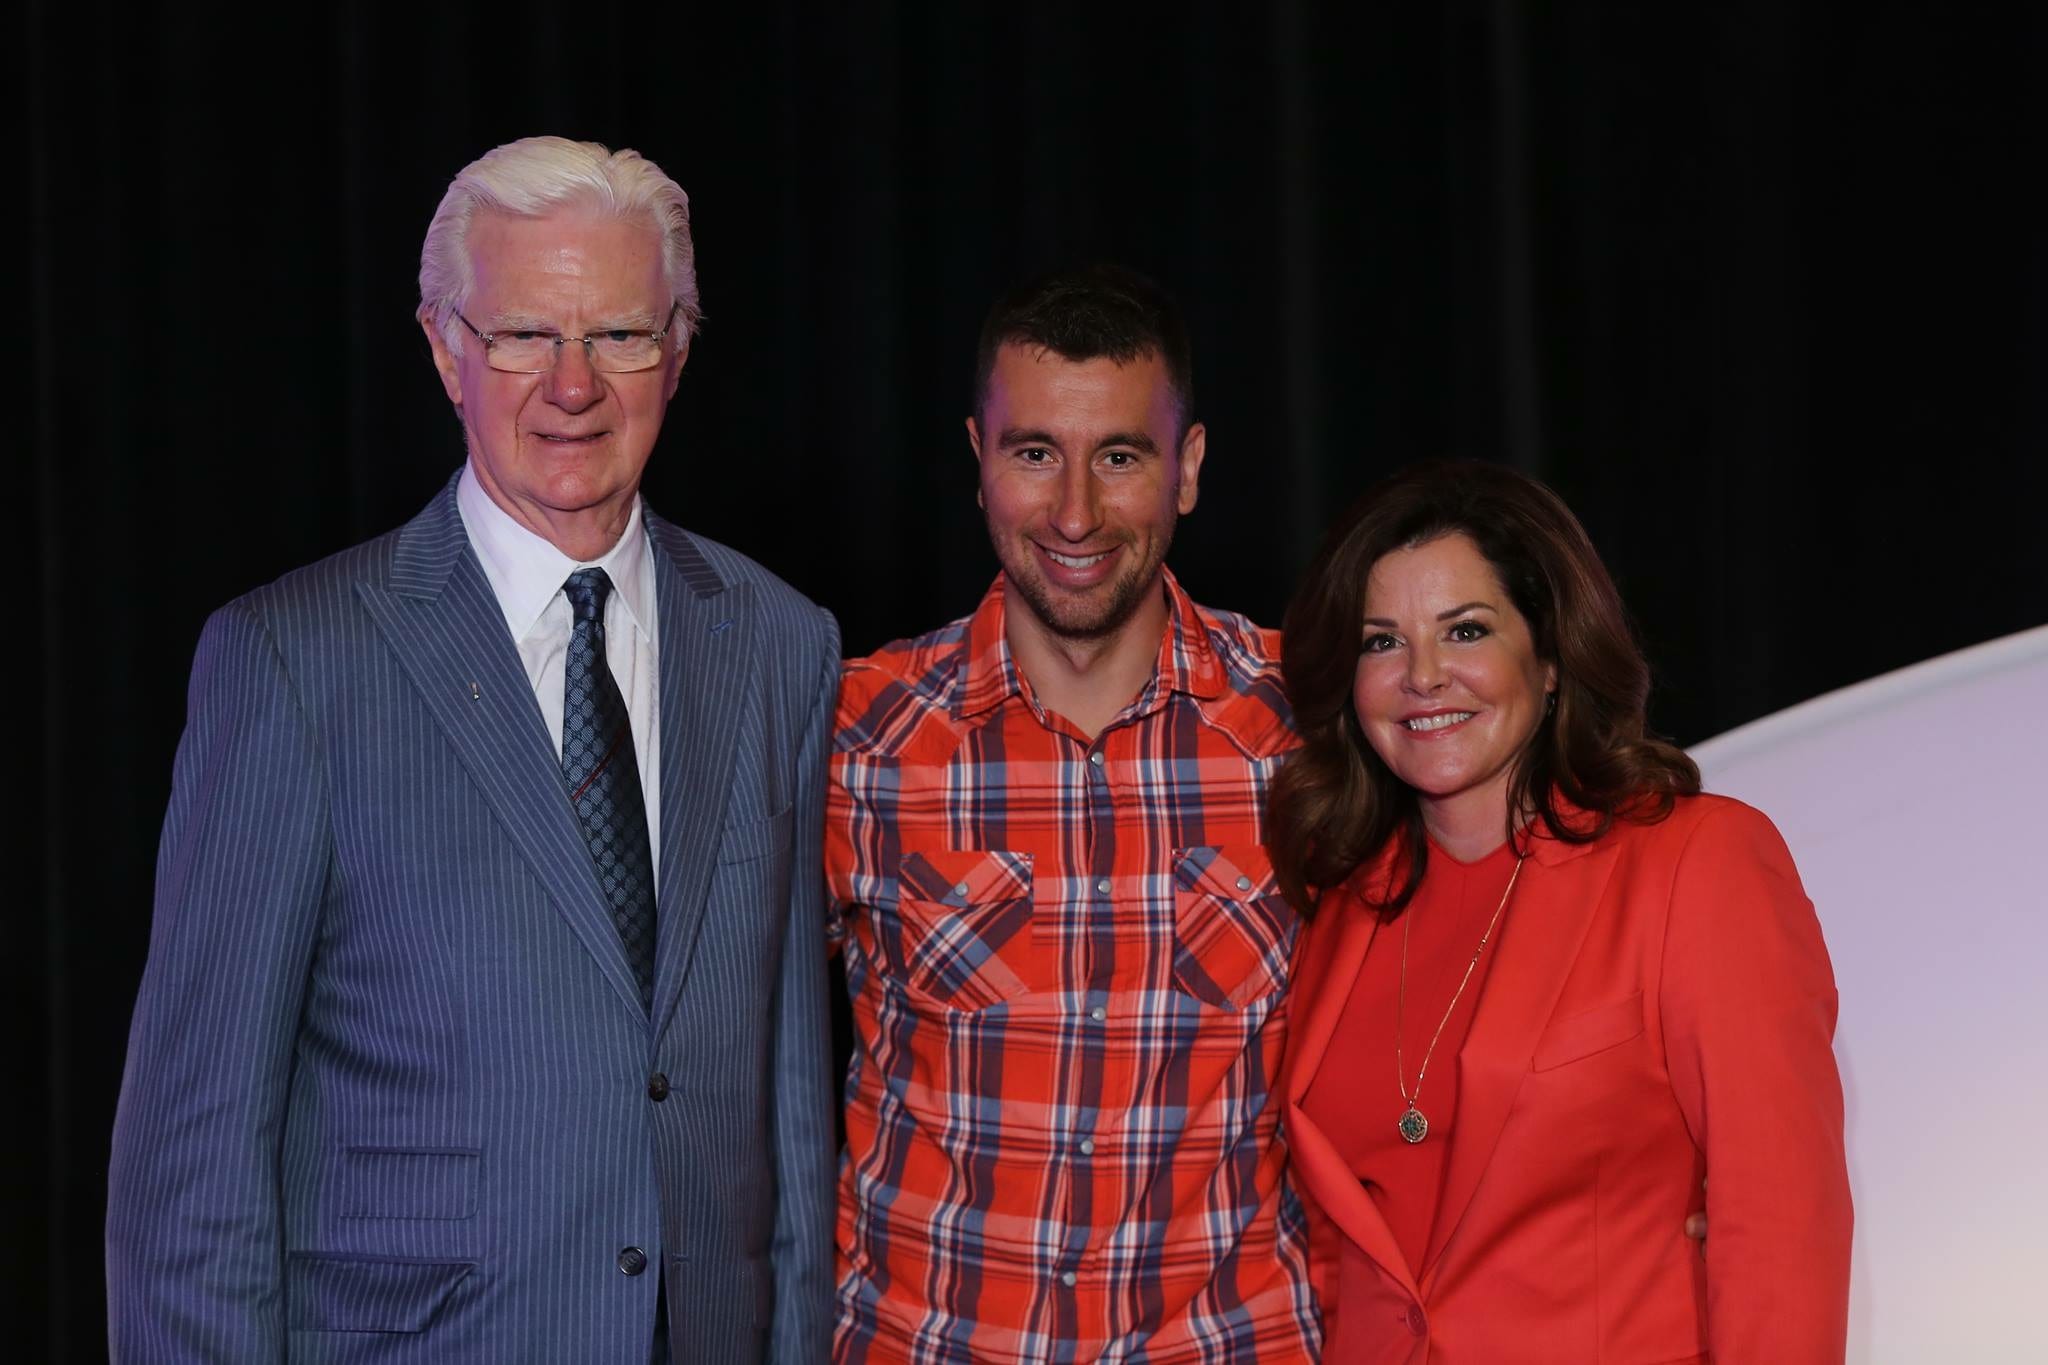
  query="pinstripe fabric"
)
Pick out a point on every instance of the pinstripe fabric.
point(387, 1086)
point(1068, 962)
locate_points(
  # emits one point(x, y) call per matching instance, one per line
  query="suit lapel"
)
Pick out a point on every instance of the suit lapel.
point(444, 625)
point(1554, 903)
point(1327, 1174)
point(706, 642)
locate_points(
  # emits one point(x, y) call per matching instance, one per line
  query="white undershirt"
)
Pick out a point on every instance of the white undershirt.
point(527, 572)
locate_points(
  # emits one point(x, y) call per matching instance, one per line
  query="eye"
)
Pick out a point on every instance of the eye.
point(1377, 643)
point(618, 336)
point(527, 336)
point(1034, 455)
point(1119, 459)
point(1467, 631)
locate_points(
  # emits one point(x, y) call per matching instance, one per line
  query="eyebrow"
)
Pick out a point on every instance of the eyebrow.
point(1458, 610)
point(534, 322)
point(1034, 436)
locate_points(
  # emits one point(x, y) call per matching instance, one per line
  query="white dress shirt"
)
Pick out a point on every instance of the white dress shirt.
point(527, 572)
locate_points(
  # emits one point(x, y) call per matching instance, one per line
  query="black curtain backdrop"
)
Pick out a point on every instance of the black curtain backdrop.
point(1760, 288)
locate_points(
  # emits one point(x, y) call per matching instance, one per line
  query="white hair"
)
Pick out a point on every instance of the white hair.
point(535, 176)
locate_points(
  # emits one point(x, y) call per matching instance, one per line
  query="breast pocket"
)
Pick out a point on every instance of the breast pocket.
point(1233, 930)
point(964, 936)
point(1588, 1032)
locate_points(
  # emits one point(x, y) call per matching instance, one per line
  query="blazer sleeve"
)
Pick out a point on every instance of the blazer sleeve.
point(194, 1223)
point(806, 1148)
point(1748, 1010)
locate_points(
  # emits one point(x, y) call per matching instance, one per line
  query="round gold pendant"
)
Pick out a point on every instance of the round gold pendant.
point(1414, 1127)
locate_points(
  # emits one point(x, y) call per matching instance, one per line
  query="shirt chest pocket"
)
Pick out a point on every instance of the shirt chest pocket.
point(964, 926)
point(1233, 931)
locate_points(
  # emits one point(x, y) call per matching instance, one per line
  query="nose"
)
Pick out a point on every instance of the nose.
point(573, 384)
point(1425, 668)
point(1078, 513)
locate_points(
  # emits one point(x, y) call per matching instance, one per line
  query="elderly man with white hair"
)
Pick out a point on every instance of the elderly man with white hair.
point(485, 1011)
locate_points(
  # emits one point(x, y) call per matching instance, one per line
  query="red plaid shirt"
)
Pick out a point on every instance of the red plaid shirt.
point(1068, 964)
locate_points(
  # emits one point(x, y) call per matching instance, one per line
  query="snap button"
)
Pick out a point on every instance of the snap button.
point(1068, 1279)
point(1102, 886)
point(1244, 883)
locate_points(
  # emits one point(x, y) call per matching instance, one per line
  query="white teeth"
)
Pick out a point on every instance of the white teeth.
point(1438, 722)
point(1074, 561)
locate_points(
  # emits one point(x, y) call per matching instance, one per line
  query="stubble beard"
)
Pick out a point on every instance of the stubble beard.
point(1083, 619)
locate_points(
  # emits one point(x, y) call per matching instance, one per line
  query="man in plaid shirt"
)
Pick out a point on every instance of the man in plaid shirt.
point(1065, 948)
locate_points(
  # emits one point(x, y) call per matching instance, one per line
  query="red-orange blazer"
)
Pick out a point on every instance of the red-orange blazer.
point(1660, 1014)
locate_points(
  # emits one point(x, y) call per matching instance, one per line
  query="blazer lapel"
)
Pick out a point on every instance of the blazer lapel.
point(445, 627)
point(1560, 887)
point(706, 648)
point(1320, 1002)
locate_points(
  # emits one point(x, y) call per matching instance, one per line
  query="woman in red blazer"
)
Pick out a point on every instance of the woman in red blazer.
point(1553, 1000)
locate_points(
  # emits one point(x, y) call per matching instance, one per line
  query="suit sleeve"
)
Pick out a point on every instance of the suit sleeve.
point(805, 1146)
point(1749, 1006)
point(194, 1222)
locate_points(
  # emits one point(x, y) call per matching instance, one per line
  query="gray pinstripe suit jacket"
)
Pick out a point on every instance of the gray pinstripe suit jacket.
point(388, 1084)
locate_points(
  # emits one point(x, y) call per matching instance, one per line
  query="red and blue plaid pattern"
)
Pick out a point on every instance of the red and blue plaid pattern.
point(1068, 964)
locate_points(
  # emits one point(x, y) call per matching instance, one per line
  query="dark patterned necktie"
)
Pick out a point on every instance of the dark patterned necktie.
point(603, 777)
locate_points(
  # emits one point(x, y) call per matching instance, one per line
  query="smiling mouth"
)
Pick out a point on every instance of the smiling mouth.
point(1075, 561)
point(1423, 724)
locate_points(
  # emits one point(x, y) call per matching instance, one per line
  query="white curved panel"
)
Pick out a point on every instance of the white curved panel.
point(1915, 806)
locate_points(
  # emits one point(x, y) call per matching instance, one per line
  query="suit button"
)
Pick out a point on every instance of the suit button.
point(657, 1087)
point(632, 1261)
point(1416, 1322)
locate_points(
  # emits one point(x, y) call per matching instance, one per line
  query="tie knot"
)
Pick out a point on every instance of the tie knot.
point(587, 591)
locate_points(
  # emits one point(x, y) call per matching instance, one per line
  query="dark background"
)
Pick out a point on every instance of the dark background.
point(1761, 288)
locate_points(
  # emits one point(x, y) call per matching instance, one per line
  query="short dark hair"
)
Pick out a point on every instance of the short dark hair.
point(1336, 804)
point(1097, 312)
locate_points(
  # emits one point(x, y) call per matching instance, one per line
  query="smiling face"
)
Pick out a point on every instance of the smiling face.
point(1084, 471)
point(562, 452)
point(1449, 688)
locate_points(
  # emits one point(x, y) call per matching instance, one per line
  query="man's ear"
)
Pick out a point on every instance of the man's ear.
point(445, 361)
point(675, 369)
point(1189, 484)
point(974, 440)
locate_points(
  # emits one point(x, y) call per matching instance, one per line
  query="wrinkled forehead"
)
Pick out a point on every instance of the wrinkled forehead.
point(569, 259)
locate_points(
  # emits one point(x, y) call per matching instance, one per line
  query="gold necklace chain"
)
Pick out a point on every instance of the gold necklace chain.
point(1414, 1127)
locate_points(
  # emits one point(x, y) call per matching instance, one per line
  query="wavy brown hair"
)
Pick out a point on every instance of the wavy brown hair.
point(1337, 804)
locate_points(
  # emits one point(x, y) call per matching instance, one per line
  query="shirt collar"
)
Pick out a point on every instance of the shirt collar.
point(1187, 661)
point(526, 571)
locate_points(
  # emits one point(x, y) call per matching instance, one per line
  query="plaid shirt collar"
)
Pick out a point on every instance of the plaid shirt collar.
point(990, 676)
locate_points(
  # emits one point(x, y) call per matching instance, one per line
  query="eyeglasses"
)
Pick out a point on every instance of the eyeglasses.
point(621, 350)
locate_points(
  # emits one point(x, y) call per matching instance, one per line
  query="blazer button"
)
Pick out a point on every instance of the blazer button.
point(632, 1260)
point(1416, 1322)
point(657, 1087)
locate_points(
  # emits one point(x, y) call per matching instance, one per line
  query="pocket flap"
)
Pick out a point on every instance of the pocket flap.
point(354, 1293)
point(1226, 874)
point(974, 877)
point(1588, 1032)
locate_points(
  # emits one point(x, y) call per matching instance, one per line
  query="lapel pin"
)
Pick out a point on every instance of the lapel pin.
point(475, 693)
point(721, 627)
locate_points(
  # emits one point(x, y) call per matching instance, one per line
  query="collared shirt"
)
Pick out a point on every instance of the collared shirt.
point(526, 572)
point(1068, 963)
